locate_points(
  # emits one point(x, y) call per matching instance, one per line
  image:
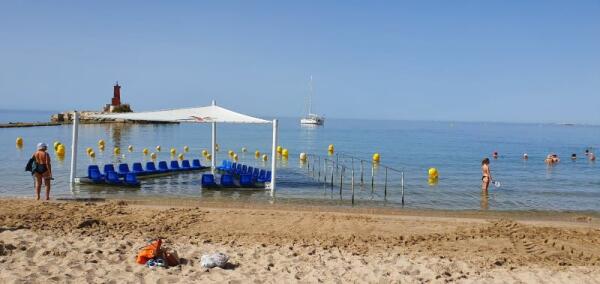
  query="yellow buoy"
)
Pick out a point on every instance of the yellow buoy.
point(19, 141)
point(257, 154)
point(89, 150)
point(330, 148)
point(209, 157)
point(101, 147)
point(279, 149)
point(303, 157)
point(186, 149)
point(235, 157)
point(60, 151)
point(376, 158)
point(173, 151)
point(56, 143)
point(153, 156)
point(145, 151)
point(117, 150)
point(244, 150)
point(100, 142)
point(92, 154)
point(204, 153)
point(130, 148)
point(265, 157)
point(432, 173)
point(180, 157)
point(432, 181)
point(231, 153)
point(284, 153)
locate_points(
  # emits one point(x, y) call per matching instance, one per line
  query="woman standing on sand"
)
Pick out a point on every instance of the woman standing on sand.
point(42, 171)
point(486, 174)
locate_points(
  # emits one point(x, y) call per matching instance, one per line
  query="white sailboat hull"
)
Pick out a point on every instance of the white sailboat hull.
point(312, 120)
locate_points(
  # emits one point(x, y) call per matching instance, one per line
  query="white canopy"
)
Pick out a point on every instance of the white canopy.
point(212, 114)
point(205, 114)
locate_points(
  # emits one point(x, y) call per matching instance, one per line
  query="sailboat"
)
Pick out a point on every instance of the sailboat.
point(311, 118)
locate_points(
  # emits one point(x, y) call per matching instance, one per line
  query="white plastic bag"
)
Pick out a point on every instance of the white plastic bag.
point(214, 260)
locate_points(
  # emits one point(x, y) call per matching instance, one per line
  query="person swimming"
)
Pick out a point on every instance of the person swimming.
point(587, 152)
point(592, 157)
point(555, 159)
point(550, 159)
point(525, 156)
point(573, 156)
point(495, 155)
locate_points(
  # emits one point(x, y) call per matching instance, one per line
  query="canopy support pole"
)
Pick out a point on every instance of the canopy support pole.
point(274, 158)
point(74, 141)
point(213, 160)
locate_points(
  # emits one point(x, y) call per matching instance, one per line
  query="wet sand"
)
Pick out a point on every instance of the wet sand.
point(97, 242)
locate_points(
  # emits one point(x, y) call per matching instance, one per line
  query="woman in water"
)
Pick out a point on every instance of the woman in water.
point(43, 170)
point(486, 174)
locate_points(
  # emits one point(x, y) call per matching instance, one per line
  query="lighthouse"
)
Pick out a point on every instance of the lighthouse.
point(115, 103)
point(116, 99)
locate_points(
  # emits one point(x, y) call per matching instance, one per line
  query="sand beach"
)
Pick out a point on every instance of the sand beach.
point(96, 242)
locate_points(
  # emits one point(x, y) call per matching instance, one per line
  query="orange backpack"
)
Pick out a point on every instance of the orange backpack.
point(149, 252)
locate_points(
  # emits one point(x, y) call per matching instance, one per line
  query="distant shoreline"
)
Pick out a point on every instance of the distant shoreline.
point(40, 124)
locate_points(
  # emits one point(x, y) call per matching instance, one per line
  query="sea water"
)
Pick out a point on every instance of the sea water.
point(409, 147)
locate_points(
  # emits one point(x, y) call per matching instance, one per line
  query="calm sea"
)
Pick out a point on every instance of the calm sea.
point(454, 148)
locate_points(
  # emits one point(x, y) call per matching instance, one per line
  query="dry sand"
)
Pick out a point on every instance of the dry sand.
point(97, 243)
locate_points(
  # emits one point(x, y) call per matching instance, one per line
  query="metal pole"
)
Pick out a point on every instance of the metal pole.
point(362, 173)
point(325, 170)
point(213, 160)
point(319, 171)
point(352, 185)
point(402, 181)
point(385, 185)
point(372, 178)
point(341, 180)
point(332, 176)
point(74, 141)
point(274, 158)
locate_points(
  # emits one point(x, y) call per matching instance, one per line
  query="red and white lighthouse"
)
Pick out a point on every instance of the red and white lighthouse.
point(116, 99)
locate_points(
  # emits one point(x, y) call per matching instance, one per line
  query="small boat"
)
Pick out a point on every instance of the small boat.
point(311, 118)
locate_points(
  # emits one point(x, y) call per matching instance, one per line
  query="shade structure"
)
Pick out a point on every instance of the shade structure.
point(206, 114)
point(212, 114)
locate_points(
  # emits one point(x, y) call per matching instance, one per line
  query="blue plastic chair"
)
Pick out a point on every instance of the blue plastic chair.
point(131, 179)
point(238, 169)
point(265, 178)
point(123, 169)
point(249, 171)
point(196, 164)
point(256, 172)
point(246, 180)
point(137, 169)
point(95, 175)
point(223, 166)
point(185, 164)
point(113, 178)
point(162, 167)
point(262, 174)
point(151, 168)
point(244, 169)
point(108, 168)
point(91, 168)
point(208, 180)
point(175, 166)
point(227, 180)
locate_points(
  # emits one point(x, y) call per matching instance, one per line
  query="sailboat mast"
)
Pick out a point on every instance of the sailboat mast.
point(310, 88)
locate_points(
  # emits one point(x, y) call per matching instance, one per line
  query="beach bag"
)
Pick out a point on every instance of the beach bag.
point(214, 260)
point(149, 252)
point(29, 166)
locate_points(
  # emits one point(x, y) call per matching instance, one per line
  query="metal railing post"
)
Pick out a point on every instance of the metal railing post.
point(385, 185)
point(402, 182)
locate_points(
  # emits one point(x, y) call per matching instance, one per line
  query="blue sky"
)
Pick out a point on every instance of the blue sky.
point(525, 61)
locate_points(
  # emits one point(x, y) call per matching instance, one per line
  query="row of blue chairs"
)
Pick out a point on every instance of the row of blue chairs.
point(227, 180)
point(130, 179)
point(256, 174)
point(123, 169)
